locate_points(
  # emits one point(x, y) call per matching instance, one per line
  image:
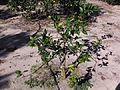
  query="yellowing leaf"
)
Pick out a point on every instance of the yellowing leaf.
point(71, 65)
point(60, 24)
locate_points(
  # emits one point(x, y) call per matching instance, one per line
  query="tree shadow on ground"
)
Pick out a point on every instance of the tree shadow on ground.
point(3, 2)
point(4, 81)
point(118, 87)
point(10, 43)
point(6, 14)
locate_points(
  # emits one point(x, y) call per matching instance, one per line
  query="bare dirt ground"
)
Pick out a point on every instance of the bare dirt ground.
point(16, 55)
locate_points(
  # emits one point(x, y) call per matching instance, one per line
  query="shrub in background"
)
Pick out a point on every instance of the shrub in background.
point(114, 2)
point(32, 9)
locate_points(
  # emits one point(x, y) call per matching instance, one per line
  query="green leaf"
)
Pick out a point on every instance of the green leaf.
point(83, 58)
point(59, 29)
point(79, 45)
point(80, 60)
point(31, 43)
point(72, 48)
point(18, 73)
point(81, 10)
point(41, 48)
point(60, 24)
point(71, 65)
point(84, 31)
point(25, 71)
point(82, 45)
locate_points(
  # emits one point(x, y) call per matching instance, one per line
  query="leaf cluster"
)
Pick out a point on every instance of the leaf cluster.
point(69, 43)
point(32, 9)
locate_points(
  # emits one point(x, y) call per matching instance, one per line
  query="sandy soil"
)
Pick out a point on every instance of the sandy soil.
point(16, 55)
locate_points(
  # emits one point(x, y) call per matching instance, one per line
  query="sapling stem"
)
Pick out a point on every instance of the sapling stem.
point(54, 76)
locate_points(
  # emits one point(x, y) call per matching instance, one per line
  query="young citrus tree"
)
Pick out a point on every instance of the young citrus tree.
point(56, 54)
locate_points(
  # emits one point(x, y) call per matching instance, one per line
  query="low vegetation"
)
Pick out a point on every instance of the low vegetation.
point(35, 9)
point(114, 2)
point(56, 53)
